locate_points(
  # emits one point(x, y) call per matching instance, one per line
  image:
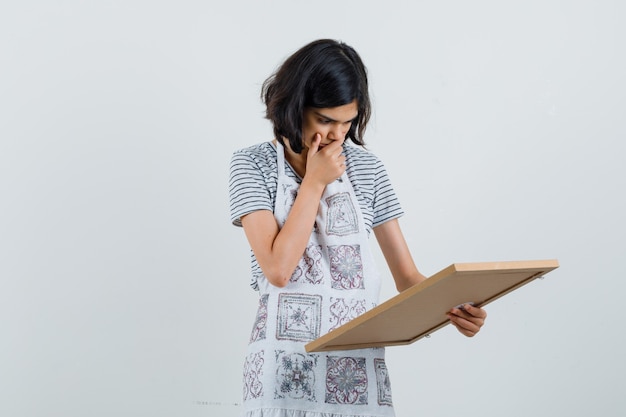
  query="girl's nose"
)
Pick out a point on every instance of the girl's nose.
point(337, 133)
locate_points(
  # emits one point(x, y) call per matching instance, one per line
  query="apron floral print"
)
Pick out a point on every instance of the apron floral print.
point(335, 281)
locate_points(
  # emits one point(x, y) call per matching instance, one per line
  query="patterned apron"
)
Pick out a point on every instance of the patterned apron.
point(335, 281)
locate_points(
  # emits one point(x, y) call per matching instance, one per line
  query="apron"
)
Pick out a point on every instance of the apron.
point(335, 281)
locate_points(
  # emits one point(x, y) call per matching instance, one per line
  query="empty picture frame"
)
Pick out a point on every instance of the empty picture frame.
point(421, 309)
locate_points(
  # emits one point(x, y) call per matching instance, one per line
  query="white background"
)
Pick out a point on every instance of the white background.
point(123, 286)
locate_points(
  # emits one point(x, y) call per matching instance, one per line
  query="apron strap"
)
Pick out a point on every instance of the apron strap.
point(280, 160)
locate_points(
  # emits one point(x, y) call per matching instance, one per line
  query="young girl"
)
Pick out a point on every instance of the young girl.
point(308, 203)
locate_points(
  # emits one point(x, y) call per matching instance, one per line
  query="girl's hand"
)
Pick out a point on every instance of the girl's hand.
point(327, 164)
point(467, 319)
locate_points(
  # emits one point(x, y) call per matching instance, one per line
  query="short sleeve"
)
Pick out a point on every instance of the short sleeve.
point(247, 187)
point(386, 205)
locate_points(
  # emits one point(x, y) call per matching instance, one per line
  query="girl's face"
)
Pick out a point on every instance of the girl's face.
point(332, 123)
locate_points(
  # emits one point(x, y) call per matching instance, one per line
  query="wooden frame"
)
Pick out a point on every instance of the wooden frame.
point(421, 309)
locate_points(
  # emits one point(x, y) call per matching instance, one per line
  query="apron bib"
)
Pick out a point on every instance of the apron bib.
point(335, 281)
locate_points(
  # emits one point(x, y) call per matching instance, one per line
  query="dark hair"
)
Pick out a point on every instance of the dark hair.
point(325, 73)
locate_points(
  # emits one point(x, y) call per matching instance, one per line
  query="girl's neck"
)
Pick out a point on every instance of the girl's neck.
point(297, 161)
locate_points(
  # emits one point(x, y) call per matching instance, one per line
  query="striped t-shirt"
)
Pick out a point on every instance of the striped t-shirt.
point(254, 181)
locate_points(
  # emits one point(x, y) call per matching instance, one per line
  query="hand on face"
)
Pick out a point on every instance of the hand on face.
point(325, 164)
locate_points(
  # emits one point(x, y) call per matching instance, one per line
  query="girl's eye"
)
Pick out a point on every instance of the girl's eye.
point(324, 121)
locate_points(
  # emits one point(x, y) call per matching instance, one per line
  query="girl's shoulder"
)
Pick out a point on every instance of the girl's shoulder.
point(261, 156)
point(358, 152)
point(360, 158)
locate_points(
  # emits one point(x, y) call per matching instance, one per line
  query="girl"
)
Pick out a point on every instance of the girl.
point(308, 202)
